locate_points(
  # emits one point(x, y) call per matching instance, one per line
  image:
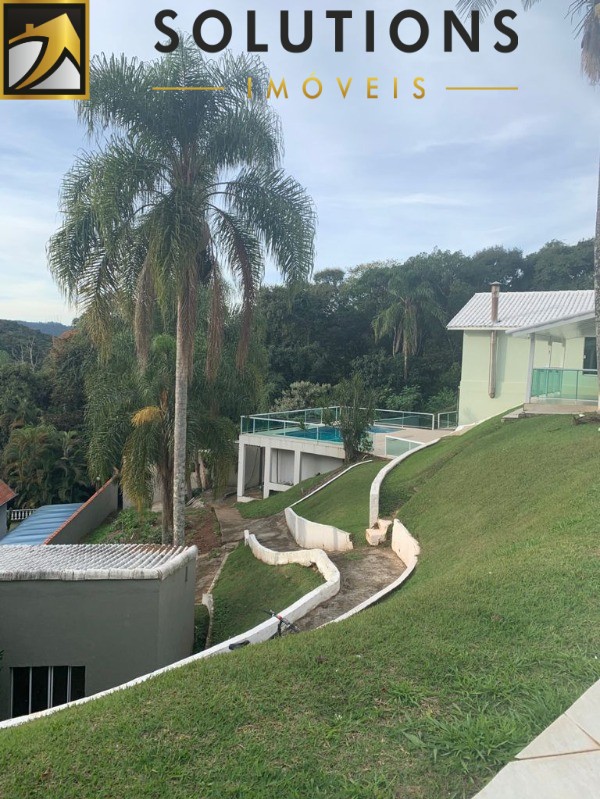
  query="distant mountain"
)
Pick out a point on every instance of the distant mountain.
point(22, 344)
point(49, 328)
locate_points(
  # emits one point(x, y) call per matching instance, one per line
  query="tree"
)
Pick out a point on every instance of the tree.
point(413, 298)
point(45, 465)
point(587, 15)
point(131, 422)
point(356, 416)
point(303, 394)
point(185, 185)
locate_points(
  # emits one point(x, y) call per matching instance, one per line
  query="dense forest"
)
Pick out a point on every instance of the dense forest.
point(71, 407)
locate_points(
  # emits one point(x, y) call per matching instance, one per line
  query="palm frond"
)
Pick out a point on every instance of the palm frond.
point(279, 210)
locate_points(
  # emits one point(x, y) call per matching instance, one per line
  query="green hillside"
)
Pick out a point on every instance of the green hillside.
point(48, 328)
point(424, 696)
point(20, 343)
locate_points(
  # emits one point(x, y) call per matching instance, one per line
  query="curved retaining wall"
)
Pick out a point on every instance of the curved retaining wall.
point(408, 550)
point(378, 481)
point(303, 557)
point(312, 535)
point(262, 632)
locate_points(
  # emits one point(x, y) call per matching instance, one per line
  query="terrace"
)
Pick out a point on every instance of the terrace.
point(277, 450)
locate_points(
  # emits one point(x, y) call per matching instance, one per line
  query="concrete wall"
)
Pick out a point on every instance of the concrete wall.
point(282, 467)
point(286, 460)
point(117, 629)
point(380, 477)
point(512, 366)
point(3, 521)
point(176, 599)
point(302, 557)
point(311, 535)
point(312, 465)
point(89, 516)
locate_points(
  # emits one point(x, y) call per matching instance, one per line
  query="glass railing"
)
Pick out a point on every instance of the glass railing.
point(394, 447)
point(318, 423)
point(404, 419)
point(558, 385)
point(447, 420)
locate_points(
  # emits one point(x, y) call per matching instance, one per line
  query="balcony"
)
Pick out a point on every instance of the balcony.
point(565, 386)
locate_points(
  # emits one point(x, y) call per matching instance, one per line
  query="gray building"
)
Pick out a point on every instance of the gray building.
point(78, 619)
point(6, 494)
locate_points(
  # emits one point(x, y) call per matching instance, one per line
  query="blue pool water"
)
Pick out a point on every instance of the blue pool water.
point(331, 434)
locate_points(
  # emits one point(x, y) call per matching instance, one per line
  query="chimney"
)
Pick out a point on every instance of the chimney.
point(495, 301)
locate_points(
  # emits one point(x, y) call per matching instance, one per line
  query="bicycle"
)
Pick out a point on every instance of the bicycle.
point(284, 626)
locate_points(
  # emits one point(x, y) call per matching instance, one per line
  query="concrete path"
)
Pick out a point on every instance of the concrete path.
point(363, 571)
point(562, 762)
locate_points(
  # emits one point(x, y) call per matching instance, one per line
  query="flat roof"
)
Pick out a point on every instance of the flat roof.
point(42, 523)
point(92, 562)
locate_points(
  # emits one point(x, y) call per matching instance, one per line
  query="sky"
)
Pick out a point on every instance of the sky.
point(389, 177)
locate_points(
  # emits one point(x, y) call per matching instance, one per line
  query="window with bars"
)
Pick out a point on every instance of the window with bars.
point(36, 688)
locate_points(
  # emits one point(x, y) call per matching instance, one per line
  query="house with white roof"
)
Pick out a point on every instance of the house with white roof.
point(78, 619)
point(528, 349)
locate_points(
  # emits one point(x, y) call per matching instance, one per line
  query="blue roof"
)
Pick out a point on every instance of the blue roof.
point(42, 523)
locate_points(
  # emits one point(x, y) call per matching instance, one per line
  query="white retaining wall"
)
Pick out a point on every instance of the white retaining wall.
point(378, 481)
point(311, 535)
point(407, 548)
point(303, 557)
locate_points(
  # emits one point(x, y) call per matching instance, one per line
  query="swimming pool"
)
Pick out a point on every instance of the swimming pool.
point(331, 434)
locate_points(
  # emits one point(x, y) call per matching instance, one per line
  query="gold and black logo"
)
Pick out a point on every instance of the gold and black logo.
point(45, 49)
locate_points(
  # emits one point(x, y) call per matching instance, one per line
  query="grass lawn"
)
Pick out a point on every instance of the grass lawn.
point(260, 508)
point(247, 586)
point(201, 623)
point(345, 503)
point(424, 696)
point(128, 527)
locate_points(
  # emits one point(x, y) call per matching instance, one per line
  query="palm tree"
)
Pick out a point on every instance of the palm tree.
point(185, 185)
point(413, 300)
point(585, 14)
point(130, 419)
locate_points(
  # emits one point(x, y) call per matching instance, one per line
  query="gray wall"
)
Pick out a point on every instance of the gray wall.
point(117, 629)
point(3, 521)
point(176, 614)
point(90, 516)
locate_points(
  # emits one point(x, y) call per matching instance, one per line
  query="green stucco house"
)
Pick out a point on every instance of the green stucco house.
point(526, 349)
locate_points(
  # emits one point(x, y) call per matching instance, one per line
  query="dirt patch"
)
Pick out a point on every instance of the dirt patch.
point(201, 528)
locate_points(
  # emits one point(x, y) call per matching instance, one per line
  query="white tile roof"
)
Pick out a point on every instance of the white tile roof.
point(92, 561)
point(523, 309)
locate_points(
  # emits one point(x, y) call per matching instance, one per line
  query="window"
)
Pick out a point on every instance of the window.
point(39, 687)
point(590, 359)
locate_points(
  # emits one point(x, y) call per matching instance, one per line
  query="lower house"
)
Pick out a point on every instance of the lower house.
point(534, 348)
point(64, 524)
point(6, 495)
point(78, 619)
point(280, 449)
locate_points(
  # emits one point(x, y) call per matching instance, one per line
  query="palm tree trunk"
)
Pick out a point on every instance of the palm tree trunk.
point(180, 430)
point(167, 509)
point(597, 285)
